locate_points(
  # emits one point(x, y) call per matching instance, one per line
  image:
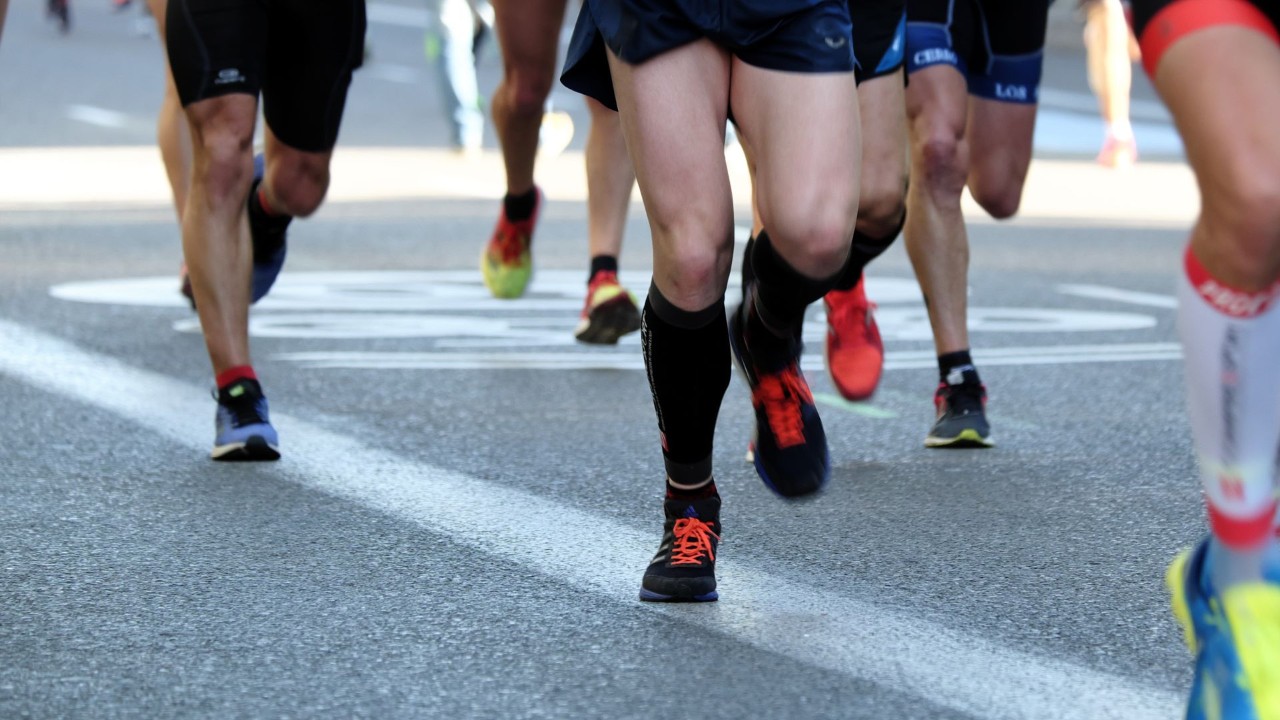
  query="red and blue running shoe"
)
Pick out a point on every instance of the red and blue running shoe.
point(790, 446)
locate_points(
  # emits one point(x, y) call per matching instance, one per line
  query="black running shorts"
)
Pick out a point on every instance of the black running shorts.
point(998, 45)
point(879, 36)
point(298, 54)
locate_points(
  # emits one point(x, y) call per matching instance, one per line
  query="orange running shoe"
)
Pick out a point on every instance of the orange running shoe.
point(855, 351)
point(507, 261)
point(609, 313)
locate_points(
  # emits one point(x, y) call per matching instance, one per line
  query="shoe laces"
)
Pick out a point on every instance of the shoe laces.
point(244, 410)
point(851, 318)
point(694, 542)
point(782, 394)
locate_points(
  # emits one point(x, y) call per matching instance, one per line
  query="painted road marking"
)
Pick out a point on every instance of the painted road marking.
point(1101, 292)
point(97, 116)
point(943, 666)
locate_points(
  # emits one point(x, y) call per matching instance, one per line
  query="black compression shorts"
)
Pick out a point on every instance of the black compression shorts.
point(299, 54)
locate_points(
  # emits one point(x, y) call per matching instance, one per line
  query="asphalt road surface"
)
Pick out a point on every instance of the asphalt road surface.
point(468, 498)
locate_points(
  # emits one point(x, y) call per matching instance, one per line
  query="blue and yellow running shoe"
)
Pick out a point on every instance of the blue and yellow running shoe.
point(1235, 637)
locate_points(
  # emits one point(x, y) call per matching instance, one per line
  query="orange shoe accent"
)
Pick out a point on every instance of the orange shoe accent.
point(854, 349)
point(781, 394)
point(694, 542)
point(1178, 20)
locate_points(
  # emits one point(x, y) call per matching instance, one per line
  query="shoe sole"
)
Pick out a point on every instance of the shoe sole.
point(609, 322)
point(651, 596)
point(966, 439)
point(255, 448)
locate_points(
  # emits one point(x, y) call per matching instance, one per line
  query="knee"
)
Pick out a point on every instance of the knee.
point(225, 165)
point(693, 269)
point(942, 163)
point(299, 185)
point(1000, 200)
point(881, 208)
point(1243, 219)
point(525, 90)
point(815, 243)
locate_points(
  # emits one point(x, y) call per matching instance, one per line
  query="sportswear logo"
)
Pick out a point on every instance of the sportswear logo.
point(936, 55)
point(228, 76)
point(835, 43)
point(236, 391)
point(1011, 92)
point(689, 512)
point(1234, 302)
point(956, 375)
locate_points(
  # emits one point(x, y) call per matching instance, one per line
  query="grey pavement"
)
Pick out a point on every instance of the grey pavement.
point(467, 498)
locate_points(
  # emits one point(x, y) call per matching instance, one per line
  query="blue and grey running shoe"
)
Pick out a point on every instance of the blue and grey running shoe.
point(243, 426)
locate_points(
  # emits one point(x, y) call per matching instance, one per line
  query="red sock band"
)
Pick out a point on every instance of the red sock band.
point(264, 203)
point(1242, 533)
point(1227, 300)
point(1178, 20)
point(239, 372)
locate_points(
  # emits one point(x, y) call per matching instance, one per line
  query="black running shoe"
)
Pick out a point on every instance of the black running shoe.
point(684, 570)
point(962, 419)
point(790, 446)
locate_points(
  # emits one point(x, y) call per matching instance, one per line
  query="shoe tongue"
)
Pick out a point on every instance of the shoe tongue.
point(241, 390)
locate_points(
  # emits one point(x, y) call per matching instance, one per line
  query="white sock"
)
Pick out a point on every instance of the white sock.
point(1231, 340)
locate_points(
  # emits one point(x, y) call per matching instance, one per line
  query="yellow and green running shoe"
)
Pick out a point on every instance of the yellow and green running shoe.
point(507, 261)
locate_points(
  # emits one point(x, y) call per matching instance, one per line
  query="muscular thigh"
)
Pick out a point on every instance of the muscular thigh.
point(529, 32)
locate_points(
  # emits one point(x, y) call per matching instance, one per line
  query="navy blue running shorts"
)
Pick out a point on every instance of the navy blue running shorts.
point(998, 45)
point(879, 37)
point(807, 36)
point(299, 54)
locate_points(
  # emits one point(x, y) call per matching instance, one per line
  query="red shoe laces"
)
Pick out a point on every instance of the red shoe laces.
point(781, 393)
point(693, 542)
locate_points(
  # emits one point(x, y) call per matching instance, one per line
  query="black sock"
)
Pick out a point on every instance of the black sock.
point(267, 230)
point(957, 367)
point(780, 294)
point(603, 263)
point(520, 207)
point(686, 355)
point(748, 272)
point(863, 250)
point(706, 490)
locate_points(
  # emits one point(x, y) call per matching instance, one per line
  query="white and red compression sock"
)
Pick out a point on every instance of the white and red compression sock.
point(1231, 340)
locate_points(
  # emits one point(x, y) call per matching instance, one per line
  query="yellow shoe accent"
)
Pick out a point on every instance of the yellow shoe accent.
point(506, 281)
point(1253, 613)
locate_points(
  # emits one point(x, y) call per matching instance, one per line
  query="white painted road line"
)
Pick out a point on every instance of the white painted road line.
point(942, 666)
point(1102, 292)
point(632, 360)
point(97, 116)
